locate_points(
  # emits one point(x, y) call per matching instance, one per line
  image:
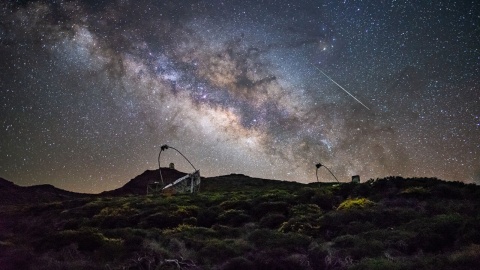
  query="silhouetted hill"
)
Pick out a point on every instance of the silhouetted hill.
point(14, 194)
point(231, 182)
point(236, 182)
point(138, 185)
point(6, 184)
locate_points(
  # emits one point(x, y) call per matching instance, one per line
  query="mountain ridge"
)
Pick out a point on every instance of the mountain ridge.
point(11, 193)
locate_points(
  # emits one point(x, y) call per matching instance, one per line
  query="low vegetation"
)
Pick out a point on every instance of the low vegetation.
point(390, 223)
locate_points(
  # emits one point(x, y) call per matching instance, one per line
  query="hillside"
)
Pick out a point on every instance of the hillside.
point(238, 222)
point(231, 182)
point(138, 185)
point(11, 194)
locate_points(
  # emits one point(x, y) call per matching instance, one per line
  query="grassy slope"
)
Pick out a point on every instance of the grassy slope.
point(244, 223)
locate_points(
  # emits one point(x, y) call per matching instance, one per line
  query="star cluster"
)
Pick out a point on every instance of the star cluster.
point(90, 90)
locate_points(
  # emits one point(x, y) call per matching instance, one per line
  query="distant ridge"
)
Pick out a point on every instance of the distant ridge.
point(235, 182)
point(11, 194)
point(231, 182)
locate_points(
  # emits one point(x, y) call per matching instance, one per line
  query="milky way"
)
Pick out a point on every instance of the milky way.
point(90, 90)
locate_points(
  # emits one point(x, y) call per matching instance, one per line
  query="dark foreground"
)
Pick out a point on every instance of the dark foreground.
point(243, 223)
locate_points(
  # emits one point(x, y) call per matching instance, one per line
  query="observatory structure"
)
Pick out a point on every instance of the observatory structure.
point(318, 165)
point(189, 183)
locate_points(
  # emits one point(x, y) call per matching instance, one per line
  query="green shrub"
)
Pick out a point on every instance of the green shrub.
point(236, 204)
point(305, 194)
point(216, 251)
point(190, 221)
point(416, 192)
point(276, 195)
point(190, 232)
point(111, 249)
point(208, 217)
point(234, 217)
point(357, 203)
point(394, 239)
point(72, 224)
point(88, 210)
point(116, 211)
point(326, 200)
point(377, 264)
point(345, 241)
point(86, 239)
point(265, 238)
point(359, 247)
point(265, 208)
point(238, 263)
point(467, 258)
point(356, 227)
point(362, 190)
point(17, 259)
point(436, 233)
point(303, 225)
point(272, 221)
point(295, 261)
point(112, 222)
point(272, 258)
point(163, 220)
point(304, 210)
point(186, 211)
point(392, 217)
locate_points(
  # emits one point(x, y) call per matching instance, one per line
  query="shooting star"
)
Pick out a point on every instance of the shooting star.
point(340, 86)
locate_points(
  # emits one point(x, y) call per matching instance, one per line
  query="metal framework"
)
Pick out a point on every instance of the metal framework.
point(190, 183)
point(318, 165)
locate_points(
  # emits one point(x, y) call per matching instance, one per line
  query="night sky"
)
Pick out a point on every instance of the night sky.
point(90, 90)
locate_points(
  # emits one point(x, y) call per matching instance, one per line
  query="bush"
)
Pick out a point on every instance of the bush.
point(264, 238)
point(316, 256)
point(163, 220)
point(394, 239)
point(357, 203)
point(303, 210)
point(234, 218)
point(216, 251)
point(236, 204)
point(436, 233)
point(190, 221)
point(420, 193)
point(327, 201)
point(304, 226)
point(377, 264)
point(305, 194)
point(394, 217)
point(265, 208)
point(227, 231)
point(356, 227)
point(270, 259)
point(238, 263)
point(359, 247)
point(468, 258)
point(186, 211)
point(296, 261)
point(272, 221)
point(87, 240)
point(17, 259)
point(276, 195)
point(208, 217)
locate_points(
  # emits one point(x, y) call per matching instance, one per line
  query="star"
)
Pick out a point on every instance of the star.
point(90, 91)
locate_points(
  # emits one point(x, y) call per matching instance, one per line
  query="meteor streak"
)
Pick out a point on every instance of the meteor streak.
point(340, 87)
